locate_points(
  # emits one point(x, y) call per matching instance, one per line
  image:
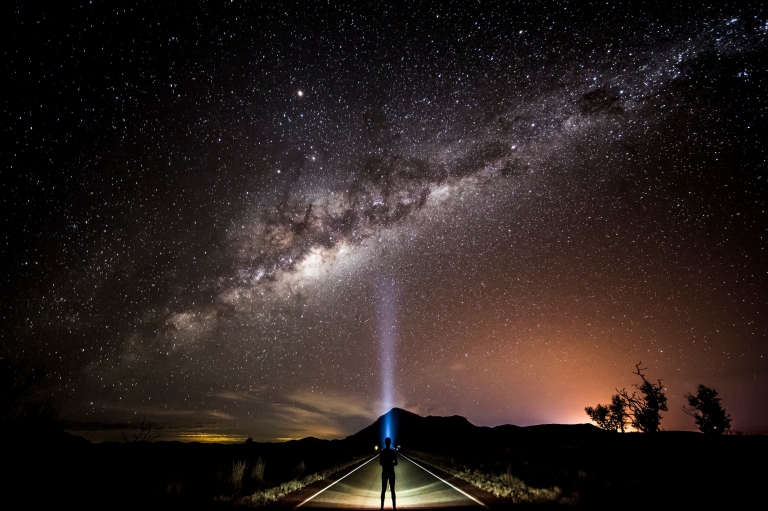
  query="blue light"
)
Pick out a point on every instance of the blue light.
point(388, 342)
point(388, 430)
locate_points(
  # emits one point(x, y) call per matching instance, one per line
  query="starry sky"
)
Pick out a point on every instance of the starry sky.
point(277, 220)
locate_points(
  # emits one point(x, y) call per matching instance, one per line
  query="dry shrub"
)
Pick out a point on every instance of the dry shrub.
point(506, 477)
point(174, 484)
point(257, 471)
point(236, 478)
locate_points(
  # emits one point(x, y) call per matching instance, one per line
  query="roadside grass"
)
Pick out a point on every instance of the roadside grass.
point(502, 485)
point(238, 471)
point(257, 471)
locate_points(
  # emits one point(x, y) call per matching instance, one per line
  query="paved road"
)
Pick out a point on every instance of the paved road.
point(415, 488)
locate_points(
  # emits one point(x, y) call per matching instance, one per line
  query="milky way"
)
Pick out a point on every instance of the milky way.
point(210, 212)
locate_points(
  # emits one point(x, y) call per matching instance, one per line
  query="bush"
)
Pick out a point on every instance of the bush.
point(706, 410)
point(257, 472)
point(238, 471)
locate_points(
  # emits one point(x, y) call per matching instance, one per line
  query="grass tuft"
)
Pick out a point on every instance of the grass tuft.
point(238, 471)
point(257, 471)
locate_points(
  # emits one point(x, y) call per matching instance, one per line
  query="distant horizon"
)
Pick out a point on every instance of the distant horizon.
point(113, 432)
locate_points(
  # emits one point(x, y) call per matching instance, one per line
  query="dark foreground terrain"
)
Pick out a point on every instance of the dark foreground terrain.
point(54, 467)
point(589, 467)
point(539, 466)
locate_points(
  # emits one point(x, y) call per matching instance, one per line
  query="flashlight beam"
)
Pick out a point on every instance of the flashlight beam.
point(443, 480)
point(339, 479)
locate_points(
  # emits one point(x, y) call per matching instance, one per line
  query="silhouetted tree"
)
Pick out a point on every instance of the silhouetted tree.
point(618, 413)
point(600, 415)
point(612, 417)
point(144, 434)
point(706, 410)
point(645, 410)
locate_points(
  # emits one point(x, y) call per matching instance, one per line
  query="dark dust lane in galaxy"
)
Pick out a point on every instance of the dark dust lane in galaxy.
point(209, 209)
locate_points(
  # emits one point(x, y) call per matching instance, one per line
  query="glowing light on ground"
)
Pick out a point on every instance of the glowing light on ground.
point(416, 489)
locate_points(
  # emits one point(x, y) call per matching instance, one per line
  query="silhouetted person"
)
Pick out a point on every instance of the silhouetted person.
point(388, 460)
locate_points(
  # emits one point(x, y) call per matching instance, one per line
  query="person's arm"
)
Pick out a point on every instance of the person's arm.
point(394, 457)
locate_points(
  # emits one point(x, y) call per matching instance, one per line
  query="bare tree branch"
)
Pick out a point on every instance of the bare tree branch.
point(144, 434)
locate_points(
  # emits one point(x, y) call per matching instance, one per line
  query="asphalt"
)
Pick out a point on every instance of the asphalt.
point(415, 488)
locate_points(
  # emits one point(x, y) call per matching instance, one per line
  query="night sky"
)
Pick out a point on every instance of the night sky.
point(277, 221)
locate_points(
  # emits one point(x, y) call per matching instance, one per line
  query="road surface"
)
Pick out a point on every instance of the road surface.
point(415, 488)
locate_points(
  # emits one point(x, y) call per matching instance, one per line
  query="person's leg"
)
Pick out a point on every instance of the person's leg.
point(383, 489)
point(392, 489)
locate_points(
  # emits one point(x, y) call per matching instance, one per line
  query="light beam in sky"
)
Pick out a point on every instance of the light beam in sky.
point(388, 343)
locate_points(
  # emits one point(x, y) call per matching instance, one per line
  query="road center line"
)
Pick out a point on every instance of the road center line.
point(443, 480)
point(336, 481)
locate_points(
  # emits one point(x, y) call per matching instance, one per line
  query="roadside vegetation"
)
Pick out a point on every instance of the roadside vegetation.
point(169, 475)
point(264, 473)
point(272, 494)
point(502, 484)
point(596, 469)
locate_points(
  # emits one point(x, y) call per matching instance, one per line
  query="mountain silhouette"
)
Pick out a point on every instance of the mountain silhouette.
point(456, 434)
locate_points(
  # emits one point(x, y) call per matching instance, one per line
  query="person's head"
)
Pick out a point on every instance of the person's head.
point(388, 441)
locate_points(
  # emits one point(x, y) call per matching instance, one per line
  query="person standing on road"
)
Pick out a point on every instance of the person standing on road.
point(388, 460)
